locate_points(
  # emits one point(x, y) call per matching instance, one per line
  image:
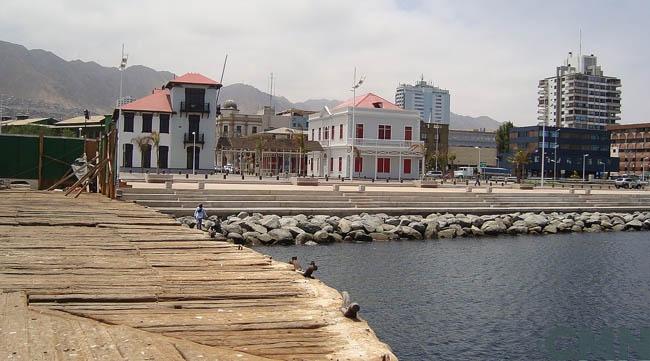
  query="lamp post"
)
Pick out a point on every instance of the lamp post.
point(355, 85)
point(543, 151)
point(603, 163)
point(557, 145)
point(584, 158)
point(79, 132)
point(643, 168)
point(478, 166)
point(194, 154)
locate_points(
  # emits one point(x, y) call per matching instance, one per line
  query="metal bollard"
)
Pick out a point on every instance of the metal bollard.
point(335, 187)
point(206, 176)
point(588, 191)
point(201, 185)
point(361, 188)
point(488, 189)
point(168, 184)
point(187, 175)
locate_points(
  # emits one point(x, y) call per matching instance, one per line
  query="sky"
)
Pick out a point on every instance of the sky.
point(490, 55)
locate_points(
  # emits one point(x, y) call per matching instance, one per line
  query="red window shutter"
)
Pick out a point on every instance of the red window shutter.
point(387, 134)
point(407, 166)
point(359, 131)
point(358, 164)
point(340, 131)
point(387, 165)
point(380, 165)
point(340, 161)
point(408, 133)
point(331, 164)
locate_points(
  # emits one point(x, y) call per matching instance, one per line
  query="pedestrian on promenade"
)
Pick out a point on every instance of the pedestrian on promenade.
point(477, 182)
point(312, 267)
point(200, 215)
point(296, 265)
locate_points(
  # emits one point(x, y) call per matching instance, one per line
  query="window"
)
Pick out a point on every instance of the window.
point(383, 165)
point(164, 123)
point(358, 164)
point(312, 135)
point(238, 128)
point(193, 124)
point(340, 131)
point(332, 132)
point(147, 120)
point(254, 130)
point(163, 154)
point(359, 131)
point(326, 133)
point(311, 162)
point(319, 131)
point(225, 130)
point(408, 133)
point(331, 164)
point(407, 166)
point(127, 156)
point(384, 132)
point(194, 98)
point(340, 162)
point(128, 122)
point(146, 157)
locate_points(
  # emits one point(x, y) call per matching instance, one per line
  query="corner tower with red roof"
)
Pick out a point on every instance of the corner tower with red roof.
point(383, 143)
point(183, 114)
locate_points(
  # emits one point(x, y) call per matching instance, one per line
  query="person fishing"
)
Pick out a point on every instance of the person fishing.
point(310, 270)
point(296, 265)
point(200, 215)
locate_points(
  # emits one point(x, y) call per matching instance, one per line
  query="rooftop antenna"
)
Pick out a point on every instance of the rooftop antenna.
point(122, 68)
point(271, 91)
point(223, 70)
point(580, 53)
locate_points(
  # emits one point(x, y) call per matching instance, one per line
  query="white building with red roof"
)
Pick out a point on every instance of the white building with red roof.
point(183, 113)
point(383, 143)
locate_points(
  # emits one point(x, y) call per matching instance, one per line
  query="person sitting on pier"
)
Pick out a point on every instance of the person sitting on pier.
point(296, 265)
point(312, 267)
point(200, 215)
point(348, 308)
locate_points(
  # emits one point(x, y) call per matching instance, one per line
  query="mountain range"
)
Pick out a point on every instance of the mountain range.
point(39, 83)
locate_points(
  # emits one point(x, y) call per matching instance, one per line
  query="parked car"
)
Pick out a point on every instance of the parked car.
point(433, 174)
point(627, 182)
point(228, 168)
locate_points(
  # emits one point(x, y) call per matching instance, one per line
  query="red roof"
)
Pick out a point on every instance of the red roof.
point(158, 102)
point(194, 78)
point(370, 101)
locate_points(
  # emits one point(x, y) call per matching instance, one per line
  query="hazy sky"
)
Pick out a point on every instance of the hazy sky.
point(489, 54)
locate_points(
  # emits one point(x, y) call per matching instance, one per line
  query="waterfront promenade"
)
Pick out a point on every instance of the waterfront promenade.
point(92, 278)
point(229, 198)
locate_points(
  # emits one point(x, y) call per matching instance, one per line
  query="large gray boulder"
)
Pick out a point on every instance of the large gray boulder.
point(431, 230)
point(232, 228)
point(253, 227)
point(309, 227)
point(418, 226)
point(281, 236)
point(493, 227)
point(235, 238)
point(517, 229)
point(264, 238)
point(409, 233)
point(286, 222)
point(270, 221)
point(295, 231)
point(251, 237)
point(535, 220)
point(634, 224)
point(344, 226)
point(242, 215)
point(360, 236)
point(550, 228)
point(447, 233)
point(303, 238)
point(321, 237)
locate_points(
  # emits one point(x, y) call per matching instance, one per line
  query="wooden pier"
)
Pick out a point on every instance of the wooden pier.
point(91, 278)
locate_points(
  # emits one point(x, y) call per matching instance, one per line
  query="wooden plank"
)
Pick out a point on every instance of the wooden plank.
point(14, 338)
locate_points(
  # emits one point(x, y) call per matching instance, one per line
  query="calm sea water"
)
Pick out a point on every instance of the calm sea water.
point(490, 298)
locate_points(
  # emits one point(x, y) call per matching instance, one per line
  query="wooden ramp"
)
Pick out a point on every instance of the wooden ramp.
point(113, 280)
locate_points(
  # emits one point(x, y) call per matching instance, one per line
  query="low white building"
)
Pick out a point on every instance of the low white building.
point(383, 143)
point(183, 113)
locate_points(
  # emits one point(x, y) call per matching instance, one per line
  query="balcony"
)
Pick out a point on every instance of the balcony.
point(385, 143)
point(188, 138)
point(195, 107)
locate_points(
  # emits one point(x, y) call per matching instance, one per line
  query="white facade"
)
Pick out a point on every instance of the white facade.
point(394, 158)
point(432, 103)
point(185, 116)
point(579, 96)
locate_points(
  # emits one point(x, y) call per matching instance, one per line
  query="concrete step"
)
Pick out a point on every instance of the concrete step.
point(244, 204)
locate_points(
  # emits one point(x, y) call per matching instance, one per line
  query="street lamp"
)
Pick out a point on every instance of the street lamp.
point(543, 151)
point(194, 154)
point(584, 158)
point(603, 163)
point(479, 160)
point(557, 145)
point(79, 132)
point(355, 85)
point(643, 168)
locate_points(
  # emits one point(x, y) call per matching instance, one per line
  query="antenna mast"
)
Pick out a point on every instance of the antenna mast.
point(271, 91)
point(223, 70)
point(580, 53)
point(122, 68)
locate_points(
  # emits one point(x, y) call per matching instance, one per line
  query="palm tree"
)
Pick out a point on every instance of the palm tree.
point(452, 158)
point(519, 159)
point(143, 144)
point(155, 139)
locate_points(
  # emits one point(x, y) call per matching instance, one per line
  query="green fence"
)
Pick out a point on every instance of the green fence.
point(19, 156)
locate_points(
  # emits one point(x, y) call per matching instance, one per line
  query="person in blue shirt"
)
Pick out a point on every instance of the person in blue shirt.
point(200, 215)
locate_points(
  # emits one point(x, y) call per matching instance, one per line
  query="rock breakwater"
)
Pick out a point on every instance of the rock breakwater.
point(259, 229)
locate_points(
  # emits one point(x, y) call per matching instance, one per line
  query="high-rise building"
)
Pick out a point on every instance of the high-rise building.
point(579, 95)
point(431, 102)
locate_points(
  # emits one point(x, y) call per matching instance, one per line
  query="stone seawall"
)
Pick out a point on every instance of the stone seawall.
point(257, 228)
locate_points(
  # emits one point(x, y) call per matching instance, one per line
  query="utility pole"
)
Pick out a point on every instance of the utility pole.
point(584, 159)
point(543, 150)
point(355, 85)
point(122, 68)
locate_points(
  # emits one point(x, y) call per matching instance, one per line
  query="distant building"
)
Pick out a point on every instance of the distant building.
point(299, 117)
point(566, 147)
point(183, 112)
point(472, 138)
point(436, 139)
point(384, 141)
point(432, 103)
point(125, 100)
point(630, 143)
point(90, 128)
point(579, 95)
point(231, 123)
point(29, 121)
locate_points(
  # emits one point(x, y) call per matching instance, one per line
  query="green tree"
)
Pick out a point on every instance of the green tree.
point(503, 137)
point(155, 139)
point(451, 158)
point(519, 159)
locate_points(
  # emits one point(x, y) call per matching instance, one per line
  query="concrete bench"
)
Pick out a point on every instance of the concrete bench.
point(304, 181)
point(158, 178)
point(426, 183)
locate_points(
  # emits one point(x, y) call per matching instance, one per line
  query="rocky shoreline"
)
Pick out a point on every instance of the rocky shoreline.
point(258, 229)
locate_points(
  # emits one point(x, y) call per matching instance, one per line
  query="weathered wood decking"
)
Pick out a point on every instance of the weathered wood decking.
point(91, 278)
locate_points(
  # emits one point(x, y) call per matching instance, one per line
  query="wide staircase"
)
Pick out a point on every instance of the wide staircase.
point(286, 202)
